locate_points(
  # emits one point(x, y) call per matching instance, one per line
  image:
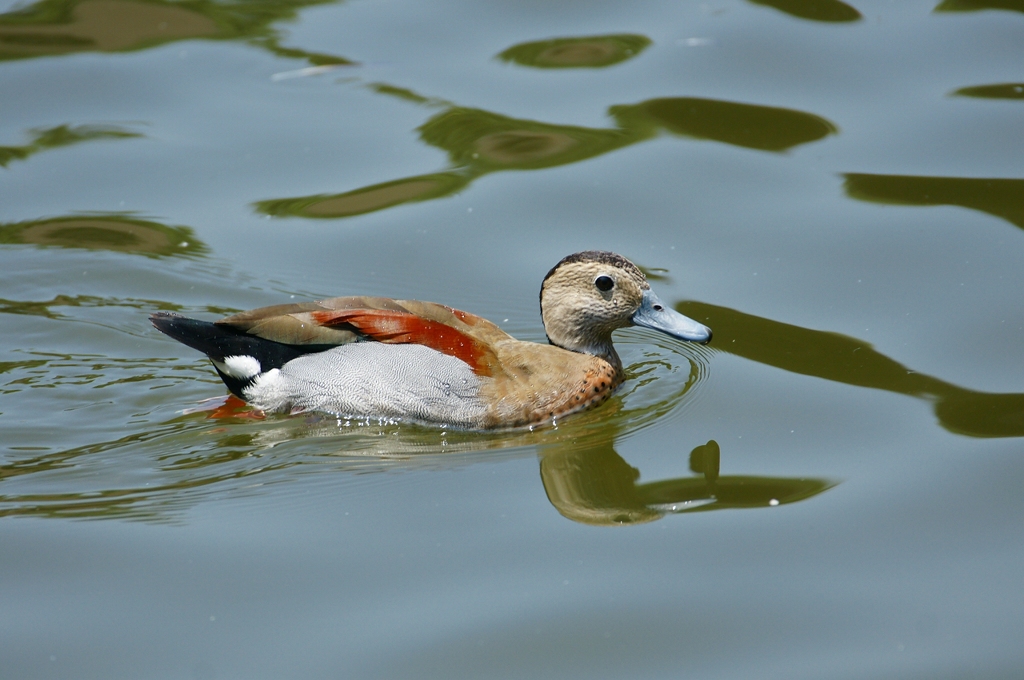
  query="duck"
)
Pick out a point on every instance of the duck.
point(407, 360)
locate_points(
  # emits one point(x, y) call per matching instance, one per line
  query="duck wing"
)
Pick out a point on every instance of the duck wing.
point(343, 320)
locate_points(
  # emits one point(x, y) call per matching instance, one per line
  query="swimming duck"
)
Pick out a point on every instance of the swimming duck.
point(425, 362)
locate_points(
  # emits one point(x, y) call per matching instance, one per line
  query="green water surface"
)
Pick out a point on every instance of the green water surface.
point(831, 489)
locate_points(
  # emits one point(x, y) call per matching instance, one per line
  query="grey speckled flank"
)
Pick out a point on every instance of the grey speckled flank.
point(375, 379)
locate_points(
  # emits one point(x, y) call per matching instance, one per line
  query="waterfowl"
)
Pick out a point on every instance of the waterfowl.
point(421, 361)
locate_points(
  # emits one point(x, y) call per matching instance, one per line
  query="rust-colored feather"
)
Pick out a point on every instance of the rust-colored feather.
point(406, 328)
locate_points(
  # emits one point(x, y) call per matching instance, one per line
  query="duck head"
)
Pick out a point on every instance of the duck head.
point(588, 295)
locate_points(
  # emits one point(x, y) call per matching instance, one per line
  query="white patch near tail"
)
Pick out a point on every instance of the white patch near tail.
point(269, 390)
point(241, 366)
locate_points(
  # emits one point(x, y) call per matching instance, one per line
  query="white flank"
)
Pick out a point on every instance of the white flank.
point(374, 380)
point(268, 391)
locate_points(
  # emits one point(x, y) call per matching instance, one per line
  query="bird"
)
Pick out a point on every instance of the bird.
point(423, 362)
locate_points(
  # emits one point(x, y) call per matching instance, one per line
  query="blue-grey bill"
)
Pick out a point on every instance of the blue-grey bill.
point(655, 314)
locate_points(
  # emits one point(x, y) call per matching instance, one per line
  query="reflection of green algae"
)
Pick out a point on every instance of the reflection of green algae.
point(999, 91)
point(1000, 197)
point(314, 58)
point(401, 93)
point(479, 142)
point(63, 26)
point(105, 232)
point(62, 135)
point(765, 128)
point(847, 360)
point(44, 308)
point(367, 199)
point(588, 52)
point(975, 5)
point(815, 10)
point(54, 27)
point(487, 141)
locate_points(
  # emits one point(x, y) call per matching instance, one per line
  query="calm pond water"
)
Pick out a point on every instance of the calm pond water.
point(832, 488)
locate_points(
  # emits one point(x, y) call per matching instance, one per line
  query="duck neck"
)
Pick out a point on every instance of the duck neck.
point(598, 347)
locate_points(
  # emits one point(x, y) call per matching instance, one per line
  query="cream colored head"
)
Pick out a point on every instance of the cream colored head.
point(588, 295)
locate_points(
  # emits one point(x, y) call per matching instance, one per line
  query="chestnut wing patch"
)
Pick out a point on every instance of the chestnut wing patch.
point(405, 328)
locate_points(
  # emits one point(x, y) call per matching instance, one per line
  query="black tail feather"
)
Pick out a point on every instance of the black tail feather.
point(218, 341)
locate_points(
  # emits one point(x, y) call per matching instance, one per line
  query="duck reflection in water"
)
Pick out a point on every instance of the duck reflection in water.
point(584, 477)
point(592, 484)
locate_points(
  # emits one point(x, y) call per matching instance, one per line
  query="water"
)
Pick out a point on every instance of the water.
point(830, 489)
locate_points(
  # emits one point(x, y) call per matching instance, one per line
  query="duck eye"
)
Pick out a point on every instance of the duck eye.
point(604, 283)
